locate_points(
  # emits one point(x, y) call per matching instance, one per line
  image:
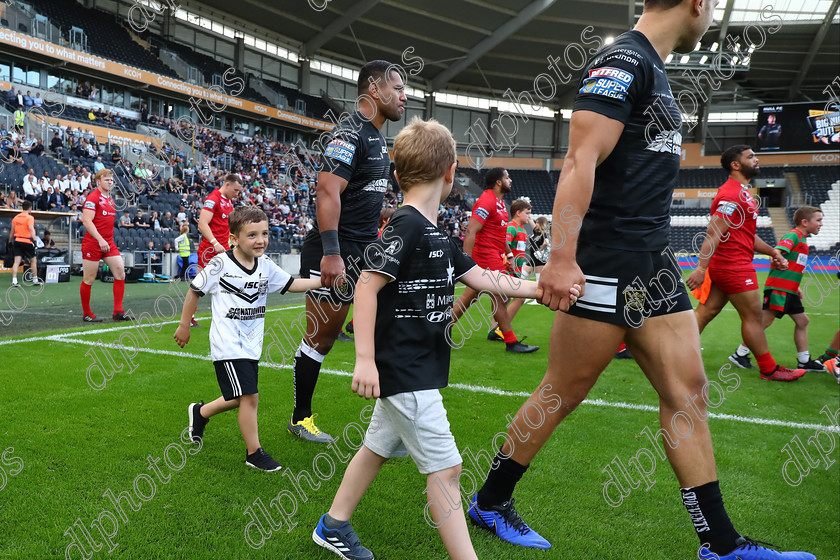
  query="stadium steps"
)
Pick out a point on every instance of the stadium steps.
point(62, 240)
point(780, 222)
point(795, 187)
point(135, 37)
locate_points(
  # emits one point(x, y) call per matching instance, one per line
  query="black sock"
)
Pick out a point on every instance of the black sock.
point(331, 522)
point(705, 506)
point(502, 479)
point(306, 369)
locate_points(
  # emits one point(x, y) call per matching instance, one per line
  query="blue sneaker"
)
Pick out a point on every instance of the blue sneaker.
point(506, 524)
point(343, 541)
point(749, 549)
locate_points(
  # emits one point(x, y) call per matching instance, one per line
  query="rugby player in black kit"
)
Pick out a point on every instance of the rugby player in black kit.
point(355, 167)
point(614, 194)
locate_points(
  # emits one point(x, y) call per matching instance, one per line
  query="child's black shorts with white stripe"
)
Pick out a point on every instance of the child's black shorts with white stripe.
point(237, 377)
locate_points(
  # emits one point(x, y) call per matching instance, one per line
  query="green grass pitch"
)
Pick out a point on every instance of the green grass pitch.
point(65, 447)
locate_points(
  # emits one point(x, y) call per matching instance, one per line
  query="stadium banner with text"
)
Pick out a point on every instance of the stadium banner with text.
point(106, 135)
point(798, 127)
point(64, 54)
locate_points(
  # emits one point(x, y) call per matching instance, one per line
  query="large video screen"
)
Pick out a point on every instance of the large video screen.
point(798, 127)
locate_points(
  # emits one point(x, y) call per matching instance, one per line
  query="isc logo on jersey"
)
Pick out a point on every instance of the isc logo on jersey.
point(609, 82)
point(340, 150)
point(436, 254)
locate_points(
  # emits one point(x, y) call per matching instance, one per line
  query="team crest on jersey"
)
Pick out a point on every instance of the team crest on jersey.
point(634, 298)
point(392, 248)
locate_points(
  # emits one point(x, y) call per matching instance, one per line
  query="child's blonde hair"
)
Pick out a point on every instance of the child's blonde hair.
point(423, 152)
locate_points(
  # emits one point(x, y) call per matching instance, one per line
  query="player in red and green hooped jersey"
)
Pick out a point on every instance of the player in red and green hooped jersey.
point(781, 290)
point(517, 240)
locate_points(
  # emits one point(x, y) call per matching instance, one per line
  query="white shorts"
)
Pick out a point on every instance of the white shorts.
point(413, 424)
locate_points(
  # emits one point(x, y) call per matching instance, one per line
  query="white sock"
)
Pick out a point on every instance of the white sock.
point(803, 356)
point(742, 351)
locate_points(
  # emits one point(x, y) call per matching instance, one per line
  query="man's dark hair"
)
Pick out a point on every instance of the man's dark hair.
point(27, 205)
point(375, 70)
point(732, 154)
point(662, 4)
point(493, 175)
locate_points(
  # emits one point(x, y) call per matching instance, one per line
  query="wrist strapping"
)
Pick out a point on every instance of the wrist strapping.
point(329, 242)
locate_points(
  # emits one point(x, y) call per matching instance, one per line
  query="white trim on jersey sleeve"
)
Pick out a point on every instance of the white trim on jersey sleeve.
point(278, 279)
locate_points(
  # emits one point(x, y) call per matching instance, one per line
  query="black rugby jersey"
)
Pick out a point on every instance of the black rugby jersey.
point(414, 310)
point(356, 151)
point(631, 201)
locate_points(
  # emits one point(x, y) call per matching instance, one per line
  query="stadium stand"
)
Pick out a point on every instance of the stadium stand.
point(107, 36)
point(309, 104)
point(208, 66)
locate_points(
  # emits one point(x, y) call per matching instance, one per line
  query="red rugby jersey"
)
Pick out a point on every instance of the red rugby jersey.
point(739, 209)
point(221, 208)
point(104, 213)
point(493, 215)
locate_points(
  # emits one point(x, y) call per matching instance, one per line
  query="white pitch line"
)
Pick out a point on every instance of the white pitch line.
point(460, 386)
point(131, 325)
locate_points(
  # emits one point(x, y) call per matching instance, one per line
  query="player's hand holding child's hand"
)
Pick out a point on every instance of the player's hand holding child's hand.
point(560, 285)
point(778, 260)
point(366, 379)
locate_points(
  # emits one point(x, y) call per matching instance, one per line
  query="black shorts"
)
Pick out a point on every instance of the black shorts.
point(237, 377)
point(353, 253)
point(782, 303)
point(626, 287)
point(21, 249)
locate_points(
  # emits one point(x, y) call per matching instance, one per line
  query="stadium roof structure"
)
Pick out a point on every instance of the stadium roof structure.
point(784, 50)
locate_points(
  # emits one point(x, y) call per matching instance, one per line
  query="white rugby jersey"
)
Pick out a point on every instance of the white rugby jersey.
point(239, 297)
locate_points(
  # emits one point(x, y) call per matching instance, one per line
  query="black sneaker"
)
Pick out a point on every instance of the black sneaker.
point(91, 319)
point(519, 348)
point(122, 317)
point(197, 421)
point(624, 355)
point(343, 337)
point(349, 327)
point(493, 336)
point(261, 460)
point(742, 362)
point(811, 365)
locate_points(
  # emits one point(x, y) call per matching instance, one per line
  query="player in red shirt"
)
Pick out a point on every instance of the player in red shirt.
point(485, 243)
point(213, 220)
point(98, 244)
point(727, 253)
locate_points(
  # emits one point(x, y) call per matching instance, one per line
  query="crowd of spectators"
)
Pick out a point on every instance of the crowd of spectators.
point(112, 118)
point(278, 178)
point(454, 214)
point(16, 98)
